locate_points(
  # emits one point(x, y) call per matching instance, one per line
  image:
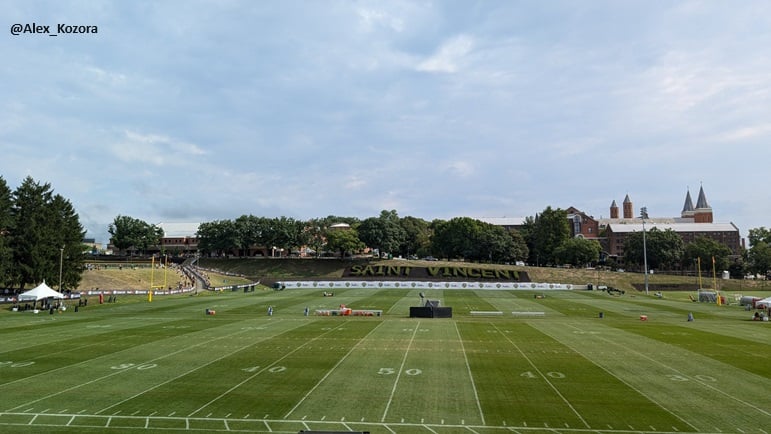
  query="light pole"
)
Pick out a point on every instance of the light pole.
point(643, 216)
point(61, 259)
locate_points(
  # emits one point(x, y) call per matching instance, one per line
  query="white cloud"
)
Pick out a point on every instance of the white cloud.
point(354, 182)
point(760, 131)
point(371, 18)
point(154, 149)
point(461, 168)
point(449, 56)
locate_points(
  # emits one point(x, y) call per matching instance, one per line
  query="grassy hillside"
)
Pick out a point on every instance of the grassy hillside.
point(261, 269)
point(237, 271)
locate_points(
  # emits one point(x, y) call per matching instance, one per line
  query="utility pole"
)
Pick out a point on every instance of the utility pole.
point(61, 260)
point(643, 216)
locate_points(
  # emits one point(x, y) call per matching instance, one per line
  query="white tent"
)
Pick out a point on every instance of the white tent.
point(40, 292)
point(763, 304)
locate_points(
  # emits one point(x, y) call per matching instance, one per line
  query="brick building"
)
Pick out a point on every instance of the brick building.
point(693, 222)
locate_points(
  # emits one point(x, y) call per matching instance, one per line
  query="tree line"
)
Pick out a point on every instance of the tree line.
point(543, 239)
point(40, 233)
point(41, 237)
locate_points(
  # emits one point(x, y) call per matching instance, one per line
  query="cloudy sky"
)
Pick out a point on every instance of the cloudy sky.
point(188, 111)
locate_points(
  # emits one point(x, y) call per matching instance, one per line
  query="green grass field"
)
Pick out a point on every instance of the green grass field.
point(165, 366)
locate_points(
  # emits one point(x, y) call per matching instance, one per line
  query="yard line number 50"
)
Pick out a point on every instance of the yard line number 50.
point(391, 371)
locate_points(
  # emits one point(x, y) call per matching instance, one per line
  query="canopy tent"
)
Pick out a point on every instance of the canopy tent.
point(40, 292)
point(763, 304)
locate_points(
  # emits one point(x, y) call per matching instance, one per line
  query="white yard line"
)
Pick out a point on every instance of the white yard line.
point(399, 374)
point(225, 393)
point(470, 375)
point(695, 380)
point(535, 368)
point(625, 382)
point(62, 368)
point(412, 427)
point(187, 372)
point(332, 370)
point(117, 372)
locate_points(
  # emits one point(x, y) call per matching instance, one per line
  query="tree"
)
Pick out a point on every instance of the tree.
point(519, 248)
point(703, 249)
point(315, 231)
point(345, 240)
point(383, 233)
point(664, 248)
point(456, 238)
point(6, 220)
point(69, 235)
point(128, 232)
point(759, 253)
point(33, 257)
point(759, 258)
point(417, 237)
point(285, 233)
point(544, 233)
point(217, 237)
point(578, 251)
point(45, 230)
point(758, 235)
point(494, 244)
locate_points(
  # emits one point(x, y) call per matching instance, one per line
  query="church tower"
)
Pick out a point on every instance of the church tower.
point(613, 210)
point(628, 208)
point(703, 212)
point(688, 210)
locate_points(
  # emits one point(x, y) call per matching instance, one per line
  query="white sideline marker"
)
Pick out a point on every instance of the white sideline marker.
point(529, 313)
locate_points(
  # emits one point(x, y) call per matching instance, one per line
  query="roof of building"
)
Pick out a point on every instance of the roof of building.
point(677, 227)
point(340, 225)
point(503, 221)
point(178, 229)
point(637, 220)
point(701, 202)
point(688, 205)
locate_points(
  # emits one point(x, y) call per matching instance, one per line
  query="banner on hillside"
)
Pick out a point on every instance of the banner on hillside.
point(401, 284)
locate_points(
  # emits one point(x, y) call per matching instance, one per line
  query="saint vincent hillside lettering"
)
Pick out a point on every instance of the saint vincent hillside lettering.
point(443, 272)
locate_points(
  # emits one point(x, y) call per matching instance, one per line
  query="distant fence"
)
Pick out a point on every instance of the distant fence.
point(388, 284)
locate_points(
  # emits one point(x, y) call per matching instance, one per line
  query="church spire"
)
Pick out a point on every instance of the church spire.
point(613, 210)
point(687, 206)
point(701, 202)
point(628, 208)
point(703, 212)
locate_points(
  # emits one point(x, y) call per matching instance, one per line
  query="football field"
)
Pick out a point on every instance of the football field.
point(507, 361)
